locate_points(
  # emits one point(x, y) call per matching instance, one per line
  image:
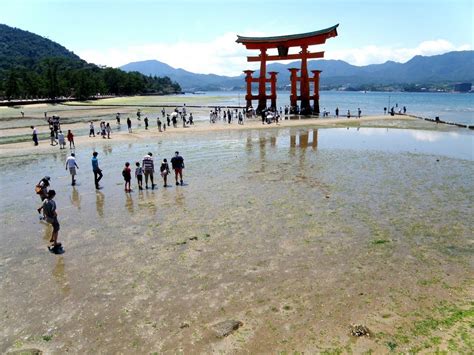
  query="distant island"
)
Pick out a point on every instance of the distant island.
point(434, 73)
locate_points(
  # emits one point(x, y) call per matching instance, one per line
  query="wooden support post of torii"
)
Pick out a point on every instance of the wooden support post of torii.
point(262, 86)
point(293, 95)
point(315, 80)
point(273, 94)
point(248, 80)
point(282, 45)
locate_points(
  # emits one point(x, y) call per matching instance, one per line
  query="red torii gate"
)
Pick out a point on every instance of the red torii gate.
point(282, 44)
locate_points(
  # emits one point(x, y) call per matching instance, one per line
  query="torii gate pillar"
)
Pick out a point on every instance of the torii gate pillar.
point(315, 96)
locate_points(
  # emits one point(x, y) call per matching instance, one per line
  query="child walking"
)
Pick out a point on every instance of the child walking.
point(165, 170)
point(70, 139)
point(127, 176)
point(139, 175)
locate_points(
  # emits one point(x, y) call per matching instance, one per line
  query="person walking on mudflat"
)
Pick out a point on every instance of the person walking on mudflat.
point(52, 136)
point(61, 140)
point(139, 175)
point(96, 170)
point(91, 129)
point(51, 217)
point(35, 135)
point(41, 188)
point(70, 139)
point(71, 164)
point(164, 170)
point(177, 163)
point(148, 169)
point(158, 123)
point(108, 130)
point(127, 176)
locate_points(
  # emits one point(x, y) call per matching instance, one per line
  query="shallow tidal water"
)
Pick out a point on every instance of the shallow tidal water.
point(295, 232)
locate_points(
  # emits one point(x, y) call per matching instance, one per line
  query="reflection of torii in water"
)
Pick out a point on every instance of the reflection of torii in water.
point(304, 140)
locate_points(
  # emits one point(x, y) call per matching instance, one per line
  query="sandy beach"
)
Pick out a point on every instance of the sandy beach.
point(282, 239)
point(120, 133)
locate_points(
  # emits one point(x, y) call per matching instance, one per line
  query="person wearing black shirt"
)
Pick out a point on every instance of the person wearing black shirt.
point(177, 163)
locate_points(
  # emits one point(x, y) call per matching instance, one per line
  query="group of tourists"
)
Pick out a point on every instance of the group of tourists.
point(105, 129)
point(395, 109)
point(227, 116)
point(56, 135)
point(348, 114)
point(144, 172)
point(168, 119)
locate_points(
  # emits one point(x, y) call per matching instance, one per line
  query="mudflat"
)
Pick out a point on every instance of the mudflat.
point(282, 239)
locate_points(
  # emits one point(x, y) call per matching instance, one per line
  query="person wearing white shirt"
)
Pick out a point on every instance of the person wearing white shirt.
point(72, 165)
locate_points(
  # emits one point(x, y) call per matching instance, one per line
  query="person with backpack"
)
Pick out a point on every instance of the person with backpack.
point(127, 176)
point(41, 188)
point(148, 169)
point(51, 216)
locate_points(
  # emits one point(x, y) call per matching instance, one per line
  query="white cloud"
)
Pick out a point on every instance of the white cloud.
point(220, 56)
point(380, 54)
point(224, 56)
point(428, 136)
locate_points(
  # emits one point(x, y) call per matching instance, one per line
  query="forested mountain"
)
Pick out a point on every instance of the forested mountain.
point(445, 69)
point(32, 66)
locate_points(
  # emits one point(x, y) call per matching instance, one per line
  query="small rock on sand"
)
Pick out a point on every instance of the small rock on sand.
point(225, 328)
point(359, 330)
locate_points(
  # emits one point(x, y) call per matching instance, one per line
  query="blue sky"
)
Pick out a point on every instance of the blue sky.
point(200, 35)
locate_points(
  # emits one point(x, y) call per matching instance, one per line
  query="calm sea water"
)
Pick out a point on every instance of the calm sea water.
point(453, 107)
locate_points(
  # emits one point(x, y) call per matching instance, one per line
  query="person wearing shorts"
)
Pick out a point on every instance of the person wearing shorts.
point(51, 216)
point(71, 164)
point(148, 169)
point(177, 163)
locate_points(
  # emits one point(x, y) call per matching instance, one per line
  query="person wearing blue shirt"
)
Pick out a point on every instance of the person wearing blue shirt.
point(97, 171)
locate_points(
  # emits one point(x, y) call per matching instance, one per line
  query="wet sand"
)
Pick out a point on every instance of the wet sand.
point(296, 231)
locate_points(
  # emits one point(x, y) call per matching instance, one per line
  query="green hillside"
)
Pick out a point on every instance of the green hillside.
point(32, 66)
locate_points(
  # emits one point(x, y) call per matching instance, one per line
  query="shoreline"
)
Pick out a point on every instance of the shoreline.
point(198, 127)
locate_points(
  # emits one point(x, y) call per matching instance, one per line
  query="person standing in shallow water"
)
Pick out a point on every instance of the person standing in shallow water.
point(127, 176)
point(148, 169)
point(41, 188)
point(70, 139)
point(158, 123)
point(165, 170)
point(96, 170)
point(91, 129)
point(139, 175)
point(51, 216)
point(61, 140)
point(129, 125)
point(71, 164)
point(177, 163)
point(146, 122)
point(108, 129)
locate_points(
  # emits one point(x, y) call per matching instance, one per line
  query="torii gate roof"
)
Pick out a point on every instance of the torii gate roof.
point(308, 38)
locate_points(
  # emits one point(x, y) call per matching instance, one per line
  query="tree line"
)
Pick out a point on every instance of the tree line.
point(64, 77)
